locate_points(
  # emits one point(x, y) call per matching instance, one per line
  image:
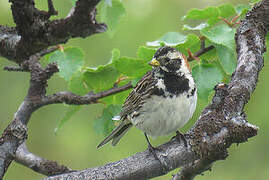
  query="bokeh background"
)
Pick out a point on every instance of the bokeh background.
point(75, 144)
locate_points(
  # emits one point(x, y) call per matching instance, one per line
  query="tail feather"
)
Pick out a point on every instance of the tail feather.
point(116, 134)
point(119, 135)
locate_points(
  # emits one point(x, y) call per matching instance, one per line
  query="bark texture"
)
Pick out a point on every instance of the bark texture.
point(222, 123)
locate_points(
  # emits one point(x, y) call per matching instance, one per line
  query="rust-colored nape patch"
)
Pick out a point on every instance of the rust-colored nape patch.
point(186, 62)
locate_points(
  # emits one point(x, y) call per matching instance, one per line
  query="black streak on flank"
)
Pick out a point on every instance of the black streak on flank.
point(176, 84)
point(192, 92)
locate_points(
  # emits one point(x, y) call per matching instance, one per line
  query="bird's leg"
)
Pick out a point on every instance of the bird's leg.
point(180, 137)
point(151, 148)
point(153, 151)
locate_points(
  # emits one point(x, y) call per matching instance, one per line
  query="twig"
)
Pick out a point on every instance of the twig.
point(15, 68)
point(47, 51)
point(38, 164)
point(51, 8)
point(70, 98)
point(201, 51)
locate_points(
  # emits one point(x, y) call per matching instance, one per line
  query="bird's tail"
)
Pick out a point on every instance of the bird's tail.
point(116, 134)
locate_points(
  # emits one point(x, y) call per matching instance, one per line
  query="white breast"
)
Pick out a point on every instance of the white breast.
point(159, 116)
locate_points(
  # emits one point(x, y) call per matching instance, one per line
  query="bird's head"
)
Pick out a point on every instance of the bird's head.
point(170, 60)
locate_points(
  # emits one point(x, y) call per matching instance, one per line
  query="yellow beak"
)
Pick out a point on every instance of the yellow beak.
point(154, 62)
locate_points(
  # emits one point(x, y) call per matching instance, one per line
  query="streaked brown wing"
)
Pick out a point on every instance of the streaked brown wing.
point(143, 89)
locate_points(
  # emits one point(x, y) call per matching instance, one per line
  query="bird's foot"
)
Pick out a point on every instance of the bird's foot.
point(153, 150)
point(180, 137)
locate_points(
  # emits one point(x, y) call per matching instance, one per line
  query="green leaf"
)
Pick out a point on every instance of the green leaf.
point(76, 84)
point(206, 77)
point(118, 98)
point(210, 55)
point(169, 39)
point(202, 14)
point(133, 68)
point(242, 9)
point(145, 53)
point(111, 13)
point(69, 62)
point(227, 58)
point(104, 124)
point(222, 35)
point(115, 55)
point(70, 112)
point(102, 78)
point(198, 27)
point(108, 2)
point(192, 43)
point(254, 1)
point(226, 10)
point(73, 2)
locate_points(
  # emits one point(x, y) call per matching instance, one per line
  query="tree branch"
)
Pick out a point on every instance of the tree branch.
point(201, 51)
point(38, 164)
point(222, 123)
point(16, 132)
point(35, 32)
point(90, 98)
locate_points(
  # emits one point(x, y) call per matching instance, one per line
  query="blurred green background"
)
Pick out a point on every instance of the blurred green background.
point(75, 144)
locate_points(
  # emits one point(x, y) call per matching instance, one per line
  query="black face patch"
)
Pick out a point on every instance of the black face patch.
point(173, 65)
point(163, 51)
point(176, 84)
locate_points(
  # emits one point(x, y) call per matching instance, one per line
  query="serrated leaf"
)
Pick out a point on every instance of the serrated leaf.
point(192, 43)
point(76, 84)
point(169, 39)
point(145, 53)
point(68, 114)
point(133, 68)
point(227, 58)
point(198, 27)
point(226, 10)
point(69, 61)
point(222, 35)
point(112, 15)
point(104, 124)
point(206, 76)
point(101, 78)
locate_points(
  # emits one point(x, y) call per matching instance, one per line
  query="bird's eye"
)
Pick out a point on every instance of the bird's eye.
point(166, 59)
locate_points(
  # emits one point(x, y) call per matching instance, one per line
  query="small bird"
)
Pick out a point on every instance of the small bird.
point(162, 101)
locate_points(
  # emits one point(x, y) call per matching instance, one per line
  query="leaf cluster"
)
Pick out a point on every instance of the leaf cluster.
point(212, 26)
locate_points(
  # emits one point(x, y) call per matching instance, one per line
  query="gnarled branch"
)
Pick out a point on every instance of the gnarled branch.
point(221, 123)
point(38, 164)
point(35, 32)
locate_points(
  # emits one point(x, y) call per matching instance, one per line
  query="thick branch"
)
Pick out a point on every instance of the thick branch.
point(16, 132)
point(35, 32)
point(38, 164)
point(222, 123)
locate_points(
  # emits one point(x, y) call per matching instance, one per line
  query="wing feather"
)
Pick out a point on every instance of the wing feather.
point(143, 89)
